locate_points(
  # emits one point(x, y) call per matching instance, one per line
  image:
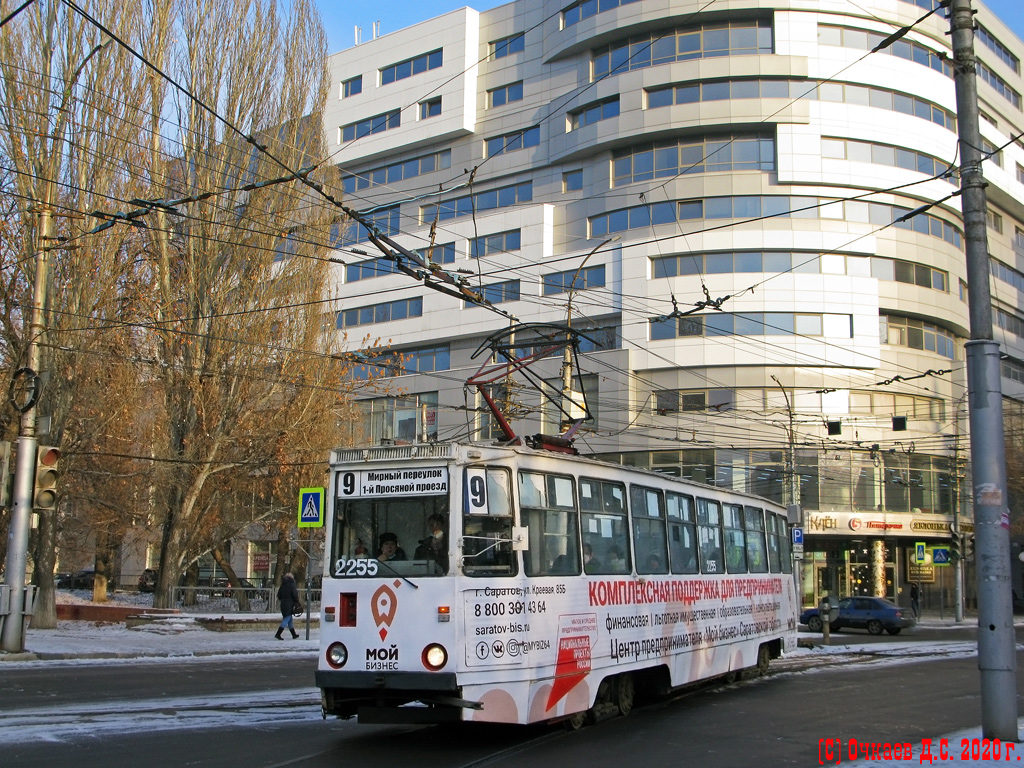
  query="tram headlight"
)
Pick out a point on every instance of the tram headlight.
point(434, 657)
point(337, 655)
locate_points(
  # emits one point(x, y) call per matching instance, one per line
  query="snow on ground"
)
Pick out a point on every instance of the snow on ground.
point(179, 637)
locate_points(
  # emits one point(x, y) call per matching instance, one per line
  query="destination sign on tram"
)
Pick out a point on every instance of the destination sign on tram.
point(374, 483)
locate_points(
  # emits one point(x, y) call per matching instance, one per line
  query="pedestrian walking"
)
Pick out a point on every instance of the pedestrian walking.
point(288, 596)
point(915, 600)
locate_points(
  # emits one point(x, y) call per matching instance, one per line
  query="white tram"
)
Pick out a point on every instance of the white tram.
point(554, 588)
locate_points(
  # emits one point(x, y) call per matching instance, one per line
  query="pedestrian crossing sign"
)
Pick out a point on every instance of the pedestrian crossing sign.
point(311, 508)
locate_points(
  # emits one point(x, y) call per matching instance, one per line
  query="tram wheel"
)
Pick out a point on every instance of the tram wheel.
point(625, 693)
point(732, 676)
point(576, 721)
point(763, 660)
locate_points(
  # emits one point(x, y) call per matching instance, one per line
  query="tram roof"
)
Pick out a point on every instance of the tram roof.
point(467, 451)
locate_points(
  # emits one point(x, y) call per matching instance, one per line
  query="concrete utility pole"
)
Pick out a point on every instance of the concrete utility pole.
point(996, 643)
point(12, 639)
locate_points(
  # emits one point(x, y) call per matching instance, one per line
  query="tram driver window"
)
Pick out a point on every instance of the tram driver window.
point(774, 559)
point(548, 510)
point(709, 536)
point(487, 524)
point(649, 541)
point(605, 526)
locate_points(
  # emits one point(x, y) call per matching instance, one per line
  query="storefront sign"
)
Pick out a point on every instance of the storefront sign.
point(871, 524)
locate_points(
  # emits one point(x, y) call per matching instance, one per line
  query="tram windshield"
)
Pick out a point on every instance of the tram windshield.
point(383, 537)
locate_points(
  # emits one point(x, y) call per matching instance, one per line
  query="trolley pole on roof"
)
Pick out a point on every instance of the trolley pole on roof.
point(996, 642)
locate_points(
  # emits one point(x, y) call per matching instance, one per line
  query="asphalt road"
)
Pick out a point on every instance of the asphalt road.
point(261, 712)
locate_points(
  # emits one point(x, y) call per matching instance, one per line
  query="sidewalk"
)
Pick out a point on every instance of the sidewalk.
point(177, 636)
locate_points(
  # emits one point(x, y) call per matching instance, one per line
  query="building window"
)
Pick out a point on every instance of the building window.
point(410, 67)
point(406, 361)
point(994, 221)
point(734, 262)
point(506, 46)
point(439, 254)
point(592, 113)
point(1006, 273)
point(430, 108)
point(987, 39)
point(754, 324)
point(886, 154)
point(352, 87)
point(880, 98)
point(1020, 173)
point(863, 40)
point(915, 334)
point(998, 84)
point(381, 313)
point(391, 174)
point(498, 293)
point(1008, 322)
point(775, 206)
point(899, 271)
point(572, 181)
point(734, 38)
point(411, 418)
point(963, 291)
point(386, 220)
point(510, 142)
point(375, 124)
point(574, 280)
point(1018, 238)
point(584, 9)
point(364, 270)
point(506, 94)
point(502, 197)
point(739, 152)
point(690, 400)
point(992, 152)
point(1012, 370)
point(500, 242)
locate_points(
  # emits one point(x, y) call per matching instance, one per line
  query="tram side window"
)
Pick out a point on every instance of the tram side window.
point(682, 533)
point(649, 540)
point(548, 508)
point(605, 526)
point(774, 559)
point(785, 553)
point(757, 550)
point(735, 546)
point(709, 534)
point(487, 525)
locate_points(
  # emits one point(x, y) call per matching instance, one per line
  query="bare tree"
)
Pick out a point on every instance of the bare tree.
point(67, 137)
point(246, 374)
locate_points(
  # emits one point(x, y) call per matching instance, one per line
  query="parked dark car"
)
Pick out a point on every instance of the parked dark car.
point(223, 588)
point(147, 581)
point(83, 579)
point(62, 580)
point(875, 614)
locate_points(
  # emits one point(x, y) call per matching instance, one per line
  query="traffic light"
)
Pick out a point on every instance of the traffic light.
point(954, 546)
point(969, 546)
point(44, 496)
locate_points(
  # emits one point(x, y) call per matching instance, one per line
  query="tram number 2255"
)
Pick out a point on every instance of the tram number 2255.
point(360, 566)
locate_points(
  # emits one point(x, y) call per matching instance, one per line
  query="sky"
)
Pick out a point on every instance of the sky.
point(340, 17)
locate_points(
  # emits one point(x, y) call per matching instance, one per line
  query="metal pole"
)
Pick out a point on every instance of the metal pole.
point(996, 642)
point(12, 638)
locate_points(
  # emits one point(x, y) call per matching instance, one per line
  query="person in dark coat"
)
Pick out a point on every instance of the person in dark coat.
point(288, 596)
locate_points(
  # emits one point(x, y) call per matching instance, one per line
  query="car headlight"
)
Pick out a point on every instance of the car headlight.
point(337, 655)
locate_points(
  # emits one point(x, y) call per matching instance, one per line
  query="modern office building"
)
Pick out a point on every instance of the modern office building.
point(748, 212)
